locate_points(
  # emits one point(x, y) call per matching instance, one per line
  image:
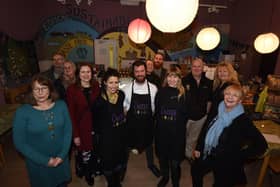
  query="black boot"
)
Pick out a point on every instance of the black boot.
point(117, 179)
point(89, 180)
point(154, 170)
point(79, 167)
point(175, 173)
point(163, 182)
point(122, 173)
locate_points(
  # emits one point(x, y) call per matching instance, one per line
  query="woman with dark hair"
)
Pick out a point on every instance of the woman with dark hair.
point(42, 132)
point(171, 117)
point(109, 124)
point(80, 97)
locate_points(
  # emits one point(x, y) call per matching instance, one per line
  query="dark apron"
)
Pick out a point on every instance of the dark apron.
point(170, 132)
point(112, 147)
point(140, 126)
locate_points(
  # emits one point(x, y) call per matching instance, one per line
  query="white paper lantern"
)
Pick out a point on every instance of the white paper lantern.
point(266, 43)
point(139, 31)
point(208, 38)
point(171, 15)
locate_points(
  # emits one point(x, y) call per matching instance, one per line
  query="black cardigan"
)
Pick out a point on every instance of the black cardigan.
point(238, 142)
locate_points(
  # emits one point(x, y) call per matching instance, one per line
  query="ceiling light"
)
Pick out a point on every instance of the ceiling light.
point(208, 38)
point(266, 43)
point(139, 31)
point(171, 15)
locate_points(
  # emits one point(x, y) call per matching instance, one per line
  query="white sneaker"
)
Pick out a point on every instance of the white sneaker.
point(135, 151)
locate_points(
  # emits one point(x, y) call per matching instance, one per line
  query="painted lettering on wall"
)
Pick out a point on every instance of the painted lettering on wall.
point(99, 24)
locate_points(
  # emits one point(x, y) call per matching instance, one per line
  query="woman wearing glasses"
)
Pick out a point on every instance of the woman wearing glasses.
point(42, 132)
point(226, 142)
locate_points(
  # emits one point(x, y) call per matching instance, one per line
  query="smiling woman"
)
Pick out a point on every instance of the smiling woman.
point(80, 96)
point(109, 126)
point(226, 142)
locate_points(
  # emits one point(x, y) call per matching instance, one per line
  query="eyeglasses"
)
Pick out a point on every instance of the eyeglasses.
point(42, 89)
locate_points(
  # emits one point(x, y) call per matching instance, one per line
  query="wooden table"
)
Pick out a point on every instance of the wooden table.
point(6, 118)
point(272, 128)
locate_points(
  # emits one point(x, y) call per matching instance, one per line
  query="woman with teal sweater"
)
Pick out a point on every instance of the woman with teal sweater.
point(42, 133)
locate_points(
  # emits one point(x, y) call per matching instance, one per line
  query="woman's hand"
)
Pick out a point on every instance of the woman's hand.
point(196, 154)
point(77, 141)
point(52, 162)
point(58, 161)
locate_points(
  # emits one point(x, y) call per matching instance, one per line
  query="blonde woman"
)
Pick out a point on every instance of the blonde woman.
point(226, 142)
point(170, 127)
point(225, 75)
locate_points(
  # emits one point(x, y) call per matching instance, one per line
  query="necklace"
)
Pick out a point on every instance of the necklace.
point(49, 117)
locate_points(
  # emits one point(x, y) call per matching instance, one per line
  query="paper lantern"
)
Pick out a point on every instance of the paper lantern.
point(208, 38)
point(266, 43)
point(171, 15)
point(139, 31)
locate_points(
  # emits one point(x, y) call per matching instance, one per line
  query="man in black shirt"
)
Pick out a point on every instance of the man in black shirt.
point(159, 70)
point(151, 76)
point(198, 91)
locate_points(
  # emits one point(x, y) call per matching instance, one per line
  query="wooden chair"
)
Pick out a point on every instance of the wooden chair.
point(274, 166)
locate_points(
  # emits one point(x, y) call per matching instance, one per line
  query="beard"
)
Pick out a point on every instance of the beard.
point(157, 65)
point(140, 79)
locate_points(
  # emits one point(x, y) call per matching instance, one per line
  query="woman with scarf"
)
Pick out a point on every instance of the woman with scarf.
point(225, 75)
point(226, 142)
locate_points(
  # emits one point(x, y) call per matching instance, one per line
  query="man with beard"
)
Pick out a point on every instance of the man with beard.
point(57, 68)
point(158, 65)
point(139, 107)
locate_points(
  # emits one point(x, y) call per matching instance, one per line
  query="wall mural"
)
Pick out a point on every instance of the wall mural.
point(75, 39)
point(69, 36)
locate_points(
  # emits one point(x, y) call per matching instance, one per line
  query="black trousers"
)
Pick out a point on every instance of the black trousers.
point(150, 155)
point(221, 172)
point(114, 178)
point(170, 166)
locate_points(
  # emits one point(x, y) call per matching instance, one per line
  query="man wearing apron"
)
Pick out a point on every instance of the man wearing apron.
point(139, 107)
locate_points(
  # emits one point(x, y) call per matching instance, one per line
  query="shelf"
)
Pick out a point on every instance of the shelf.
point(274, 90)
point(273, 105)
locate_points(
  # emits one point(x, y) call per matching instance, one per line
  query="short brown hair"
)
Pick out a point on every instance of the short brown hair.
point(42, 80)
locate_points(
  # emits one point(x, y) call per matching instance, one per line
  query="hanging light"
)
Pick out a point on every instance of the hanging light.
point(208, 38)
point(171, 15)
point(266, 43)
point(139, 31)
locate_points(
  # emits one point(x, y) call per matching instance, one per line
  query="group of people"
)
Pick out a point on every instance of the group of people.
point(188, 117)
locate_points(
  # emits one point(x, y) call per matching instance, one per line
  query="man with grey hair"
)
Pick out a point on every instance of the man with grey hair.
point(57, 67)
point(68, 77)
point(198, 91)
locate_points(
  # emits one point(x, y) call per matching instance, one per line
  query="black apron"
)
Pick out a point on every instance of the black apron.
point(112, 147)
point(140, 125)
point(170, 128)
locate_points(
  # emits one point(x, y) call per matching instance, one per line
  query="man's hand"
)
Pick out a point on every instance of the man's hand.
point(196, 154)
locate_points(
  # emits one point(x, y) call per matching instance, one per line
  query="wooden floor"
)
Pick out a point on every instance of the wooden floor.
point(14, 173)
